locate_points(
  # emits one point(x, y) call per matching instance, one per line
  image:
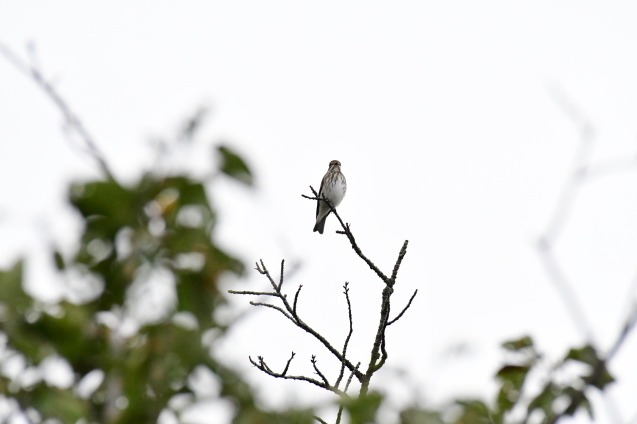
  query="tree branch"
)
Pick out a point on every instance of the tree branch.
point(263, 366)
point(411, 299)
point(31, 70)
point(291, 313)
point(350, 236)
point(349, 334)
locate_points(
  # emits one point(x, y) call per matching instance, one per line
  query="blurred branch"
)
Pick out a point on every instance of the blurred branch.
point(32, 70)
point(582, 171)
point(599, 372)
point(562, 211)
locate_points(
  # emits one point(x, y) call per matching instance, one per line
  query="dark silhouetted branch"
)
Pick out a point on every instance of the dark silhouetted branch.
point(263, 366)
point(411, 299)
point(349, 334)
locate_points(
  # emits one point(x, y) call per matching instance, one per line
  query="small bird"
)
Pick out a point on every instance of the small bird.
point(333, 187)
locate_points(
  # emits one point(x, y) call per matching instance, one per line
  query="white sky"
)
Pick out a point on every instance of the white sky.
point(443, 116)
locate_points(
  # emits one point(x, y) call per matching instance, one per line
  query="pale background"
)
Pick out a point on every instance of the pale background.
point(449, 119)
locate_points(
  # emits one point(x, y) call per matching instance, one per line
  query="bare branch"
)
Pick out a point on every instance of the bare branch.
point(404, 309)
point(261, 365)
point(401, 255)
point(296, 298)
point(287, 365)
point(349, 381)
point(252, 293)
point(290, 312)
point(378, 347)
point(281, 277)
point(349, 334)
point(346, 231)
point(273, 307)
point(318, 372)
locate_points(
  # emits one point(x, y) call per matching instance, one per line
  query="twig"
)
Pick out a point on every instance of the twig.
point(317, 371)
point(296, 298)
point(349, 334)
point(562, 211)
point(291, 313)
point(401, 255)
point(281, 277)
point(261, 365)
point(340, 409)
point(411, 299)
point(267, 305)
point(252, 293)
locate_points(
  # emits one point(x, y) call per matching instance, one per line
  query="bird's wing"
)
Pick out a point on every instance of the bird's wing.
point(320, 193)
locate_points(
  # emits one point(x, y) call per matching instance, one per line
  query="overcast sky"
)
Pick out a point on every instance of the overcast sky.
point(451, 120)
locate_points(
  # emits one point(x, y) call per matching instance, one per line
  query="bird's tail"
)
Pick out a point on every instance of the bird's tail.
point(320, 225)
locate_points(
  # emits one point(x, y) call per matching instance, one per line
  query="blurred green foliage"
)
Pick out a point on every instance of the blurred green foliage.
point(159, 223)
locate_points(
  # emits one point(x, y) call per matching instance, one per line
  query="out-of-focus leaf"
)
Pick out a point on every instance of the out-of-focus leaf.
point(253, 415)
point(108, 200)
point(474, 412)
point(363, 408)
point(603, 379)
point(11, 291)
point(512, 378)
point(584, 403)
point(513, 374)
point(53, 402)
point(544, 400)
point(192, 124)
point(599, 377)
point(420, 416)
point(515, 345)
point(74, 335)
point(234, 166)
point(585, 354)
point(59, 261)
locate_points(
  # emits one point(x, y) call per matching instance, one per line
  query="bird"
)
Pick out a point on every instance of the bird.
point(333, 188)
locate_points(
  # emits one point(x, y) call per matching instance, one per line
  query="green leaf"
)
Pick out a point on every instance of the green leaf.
point(514, 374)
point(53, 402)
point(587, 355)
point(109, 200)
point(545, 399)
point(234, 166)
point(512, 377)
point(59, 261)
point(515, 345)
point(420, 416)
point(603, 379)
point(363, 408)
point(474, 412)
point(11, 291)
point(584, 403)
